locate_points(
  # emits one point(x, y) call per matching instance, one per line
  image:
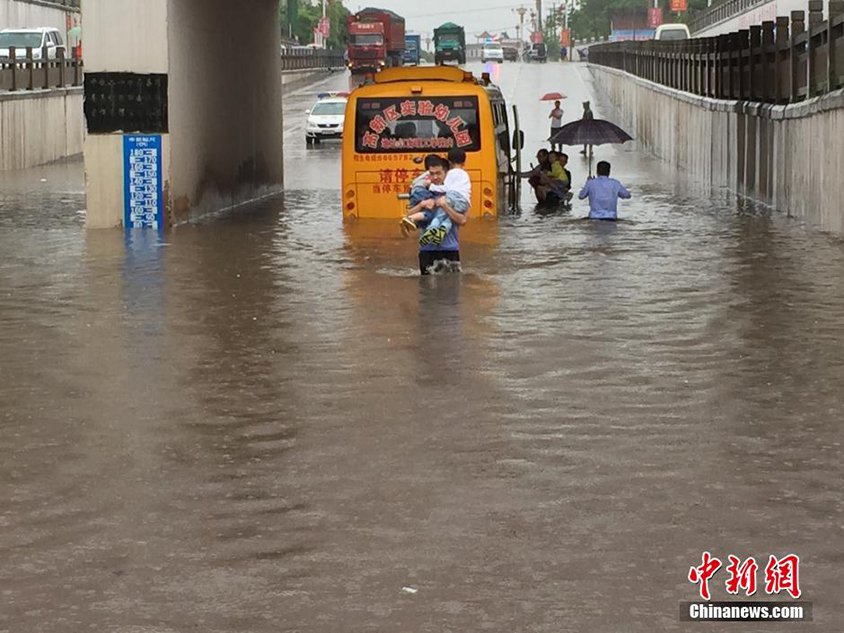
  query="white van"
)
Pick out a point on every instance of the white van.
point(672, 32)
point(37, 38)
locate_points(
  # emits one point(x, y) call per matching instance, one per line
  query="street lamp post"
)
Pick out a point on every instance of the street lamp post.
point(521, 28)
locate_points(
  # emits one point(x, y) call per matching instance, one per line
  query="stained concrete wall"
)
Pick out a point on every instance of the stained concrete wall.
point(40, 127)
point(15, 15)
point(781, 155)
point(119, 36)
point(225, 104)
point(125, 36)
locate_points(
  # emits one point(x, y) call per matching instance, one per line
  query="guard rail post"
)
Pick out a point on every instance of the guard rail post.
point(798, 27)
point(754, 50)
point(767, 49)
point(30, 68)
point(815, 18)
point(60, 57)
point(743, 46)
point(836, 9)
point(781, 61)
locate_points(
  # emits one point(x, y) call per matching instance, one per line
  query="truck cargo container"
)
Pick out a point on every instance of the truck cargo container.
point(412, 49)
point(449, 43)
point(376, 40)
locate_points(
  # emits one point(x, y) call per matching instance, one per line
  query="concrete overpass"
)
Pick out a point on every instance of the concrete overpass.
point(758, 111)
point(734, 15)
point(183, 107)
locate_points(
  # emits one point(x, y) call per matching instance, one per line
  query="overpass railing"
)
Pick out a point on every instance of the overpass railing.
point(312, 58)
point(723, 11)
point(22, 71)
point(776, 62)
point(72, 5)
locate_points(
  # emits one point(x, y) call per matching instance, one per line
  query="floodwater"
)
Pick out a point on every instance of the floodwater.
point(270, 422)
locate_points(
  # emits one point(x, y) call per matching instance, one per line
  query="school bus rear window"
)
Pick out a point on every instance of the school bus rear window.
point(417, 124)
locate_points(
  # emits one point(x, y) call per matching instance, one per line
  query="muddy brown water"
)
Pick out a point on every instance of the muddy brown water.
point(269, 422)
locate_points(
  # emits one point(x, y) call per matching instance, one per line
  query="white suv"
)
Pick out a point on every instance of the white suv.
point(326, 117)
point(37, 38)
point(492, 52)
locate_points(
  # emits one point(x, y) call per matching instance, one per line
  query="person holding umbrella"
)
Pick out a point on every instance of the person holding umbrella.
point(603, 193)
point(556, 114)
point(556, 117)
point(590, 132)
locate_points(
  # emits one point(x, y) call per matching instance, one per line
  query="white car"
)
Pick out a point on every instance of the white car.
point(37, 39)
point(492, 52)
point(326, 117)
point(672, 32)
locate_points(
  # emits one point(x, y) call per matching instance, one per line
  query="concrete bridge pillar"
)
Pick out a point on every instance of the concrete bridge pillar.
point(183, 108)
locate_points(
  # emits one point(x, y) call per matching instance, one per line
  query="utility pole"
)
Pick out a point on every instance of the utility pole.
point(324, 35)
point(521, 28)
point(539, 15)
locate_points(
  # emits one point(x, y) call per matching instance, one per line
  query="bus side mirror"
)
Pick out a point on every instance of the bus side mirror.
point(519, 140)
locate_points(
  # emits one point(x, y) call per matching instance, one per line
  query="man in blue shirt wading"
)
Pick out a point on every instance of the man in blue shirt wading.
point(603, 193)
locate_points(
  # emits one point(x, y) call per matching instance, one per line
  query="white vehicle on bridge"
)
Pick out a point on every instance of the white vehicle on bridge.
point(672, 32)
point(326, 117)
point(492, 52)
point(36, 38)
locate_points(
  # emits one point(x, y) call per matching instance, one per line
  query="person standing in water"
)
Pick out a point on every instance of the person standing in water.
point(603, 193)
point(587, 115)
point(556, 117)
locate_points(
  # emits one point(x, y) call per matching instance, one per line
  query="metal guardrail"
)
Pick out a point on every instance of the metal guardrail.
point(23, 72)
point(20, 71)
point(778, 63)
point(72, 5)
point(723, 11)
point(312, 58)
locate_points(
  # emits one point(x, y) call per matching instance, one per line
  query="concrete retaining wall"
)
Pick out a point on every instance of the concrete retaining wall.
point(39, 127)
point(293, 78)
point(781, 155)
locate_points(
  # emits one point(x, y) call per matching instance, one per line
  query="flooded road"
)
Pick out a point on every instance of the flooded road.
point(269, 422)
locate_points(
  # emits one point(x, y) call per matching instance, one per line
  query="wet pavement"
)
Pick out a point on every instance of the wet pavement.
point(269, 422)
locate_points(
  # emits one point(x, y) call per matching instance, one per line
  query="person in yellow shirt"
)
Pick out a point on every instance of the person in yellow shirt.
point(555, 184)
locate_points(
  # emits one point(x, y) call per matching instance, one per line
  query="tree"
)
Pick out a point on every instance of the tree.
point(593, 17)
point(551, 36)
point(306, 18)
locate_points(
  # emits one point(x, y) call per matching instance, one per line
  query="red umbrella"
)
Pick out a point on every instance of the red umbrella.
point(553, 96)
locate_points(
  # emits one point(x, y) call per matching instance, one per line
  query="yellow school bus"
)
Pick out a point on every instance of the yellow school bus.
point(402, 114)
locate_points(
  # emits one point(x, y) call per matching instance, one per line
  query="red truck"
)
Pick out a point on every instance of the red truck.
point(376, 40)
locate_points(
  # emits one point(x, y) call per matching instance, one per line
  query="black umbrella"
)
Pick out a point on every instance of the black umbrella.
point(589, 132)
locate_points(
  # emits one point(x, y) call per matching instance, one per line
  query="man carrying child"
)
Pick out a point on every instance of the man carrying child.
point(439, 207)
